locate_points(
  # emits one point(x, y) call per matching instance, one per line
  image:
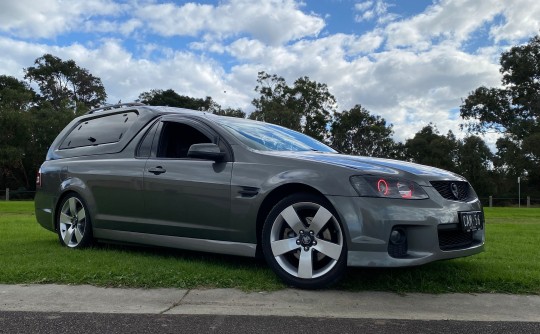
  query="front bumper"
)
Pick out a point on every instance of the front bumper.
point(431, 227)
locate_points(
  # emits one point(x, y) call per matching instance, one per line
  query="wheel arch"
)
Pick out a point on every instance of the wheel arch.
point(61, 197)
point(67, 189)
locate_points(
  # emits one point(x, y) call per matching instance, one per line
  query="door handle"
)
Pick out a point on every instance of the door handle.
point(157, 170)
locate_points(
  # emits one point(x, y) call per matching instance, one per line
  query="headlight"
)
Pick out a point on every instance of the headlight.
point(387, 187)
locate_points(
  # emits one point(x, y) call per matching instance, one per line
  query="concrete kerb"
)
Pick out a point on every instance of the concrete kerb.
point(289, 302)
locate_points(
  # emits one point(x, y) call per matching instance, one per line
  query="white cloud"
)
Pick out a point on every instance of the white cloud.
point(125, 77)
point(451, 20)
point(522, 20)
point(368, 10)
point(48, 18)
point(112, 26)
point(410, 71)
point(271, 22)
point(411, 89)
point(18, 56)
point(363, 6)
point(368, 42)
point(246, 49)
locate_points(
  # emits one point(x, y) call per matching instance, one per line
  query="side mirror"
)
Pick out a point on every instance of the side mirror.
point(206, 151)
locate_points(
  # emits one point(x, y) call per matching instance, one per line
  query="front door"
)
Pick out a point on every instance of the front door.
point(183, 196)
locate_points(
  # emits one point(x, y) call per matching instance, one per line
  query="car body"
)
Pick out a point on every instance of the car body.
point(193, 180)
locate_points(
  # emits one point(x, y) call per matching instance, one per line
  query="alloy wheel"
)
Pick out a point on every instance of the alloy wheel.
point(306, 240)
point(72, 222)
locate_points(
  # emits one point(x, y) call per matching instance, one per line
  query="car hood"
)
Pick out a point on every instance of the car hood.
point(370, 165)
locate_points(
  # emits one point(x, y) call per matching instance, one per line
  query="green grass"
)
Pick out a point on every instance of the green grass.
point(31, 254)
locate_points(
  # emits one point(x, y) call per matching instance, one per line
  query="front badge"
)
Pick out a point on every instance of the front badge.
point(454, 189)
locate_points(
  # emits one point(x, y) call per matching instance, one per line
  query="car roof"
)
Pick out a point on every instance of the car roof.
point(140, 106)
point(164, 110)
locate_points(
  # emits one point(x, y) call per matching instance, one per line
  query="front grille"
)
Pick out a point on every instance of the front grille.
point(461, 189)
point(454, 238)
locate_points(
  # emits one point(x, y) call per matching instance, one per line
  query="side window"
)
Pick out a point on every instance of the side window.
point(100, 130)
point(176, 139)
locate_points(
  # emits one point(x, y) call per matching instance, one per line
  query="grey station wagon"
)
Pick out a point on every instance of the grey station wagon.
point(187, 179)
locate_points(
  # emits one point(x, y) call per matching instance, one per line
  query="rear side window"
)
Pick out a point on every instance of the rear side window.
point(101, 130)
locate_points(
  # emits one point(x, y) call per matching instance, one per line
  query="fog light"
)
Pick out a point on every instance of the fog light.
point(398, 237)
point(397, 245)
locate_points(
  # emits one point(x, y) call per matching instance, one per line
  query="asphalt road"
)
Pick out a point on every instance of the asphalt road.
point(82, 323)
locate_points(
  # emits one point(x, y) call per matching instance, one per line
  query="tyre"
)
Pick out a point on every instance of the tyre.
point(73, 222)
point(303, 242)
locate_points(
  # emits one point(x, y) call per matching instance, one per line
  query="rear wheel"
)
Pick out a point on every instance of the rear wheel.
point(73, 222)
point(303, 242)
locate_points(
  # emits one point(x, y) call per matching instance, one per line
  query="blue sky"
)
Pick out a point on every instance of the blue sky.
point(412, 62)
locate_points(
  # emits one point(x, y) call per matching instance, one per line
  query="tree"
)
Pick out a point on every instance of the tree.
point(358, 132)
point(16, 97)
point(430, 148)
point(315, 104)
point(307, 106)
point(513, 110)
point(170, 98)
point(65, 83)
point(271, 106)
point(15, 94)
point(231, 112)
point(474, 163)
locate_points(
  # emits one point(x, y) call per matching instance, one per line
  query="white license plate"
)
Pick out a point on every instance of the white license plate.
point(471, 220)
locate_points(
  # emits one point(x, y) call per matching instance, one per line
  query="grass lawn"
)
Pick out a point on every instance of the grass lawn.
point(31, 254)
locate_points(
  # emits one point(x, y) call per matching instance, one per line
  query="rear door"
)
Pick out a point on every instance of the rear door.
point(110, 183)
point(183, 196)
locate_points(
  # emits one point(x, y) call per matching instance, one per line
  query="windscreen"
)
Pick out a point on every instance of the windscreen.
point(271, 137)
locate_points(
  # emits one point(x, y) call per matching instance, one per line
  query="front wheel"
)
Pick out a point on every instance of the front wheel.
point(73, 222)
point(303, 242)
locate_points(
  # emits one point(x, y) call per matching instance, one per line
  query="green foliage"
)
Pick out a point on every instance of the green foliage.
point(315, 104)
point(307, 106)
point(469, 157)
point(513, 110)
point(62, 82)
point(358, 132)
point(170, 98)
point(15, 94)
point(509, 150)
point(30, 122)
point(430, 148)
point(473, 162)
point(16, 98)
point(46, 123)
point(231, 112)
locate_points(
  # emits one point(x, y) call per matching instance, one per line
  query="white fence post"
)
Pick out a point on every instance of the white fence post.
point(7, 194)
point(490, 201)
point(528, 201)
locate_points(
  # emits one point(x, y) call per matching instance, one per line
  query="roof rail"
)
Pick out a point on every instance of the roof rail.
point(116, 106)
